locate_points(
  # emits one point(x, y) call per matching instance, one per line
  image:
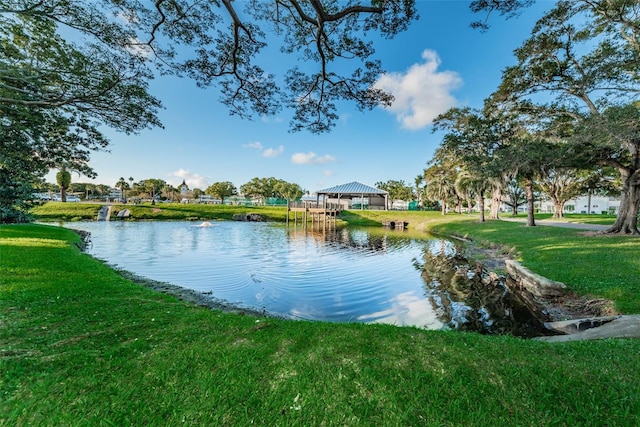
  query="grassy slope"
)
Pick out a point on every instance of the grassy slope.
point(79, 345)
point(53, 211)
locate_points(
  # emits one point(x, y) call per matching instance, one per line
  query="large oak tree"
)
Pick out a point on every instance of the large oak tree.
point(583, 61)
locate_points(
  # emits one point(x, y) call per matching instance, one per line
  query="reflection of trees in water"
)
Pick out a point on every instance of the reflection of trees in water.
point(359, 240)
point(470, 299)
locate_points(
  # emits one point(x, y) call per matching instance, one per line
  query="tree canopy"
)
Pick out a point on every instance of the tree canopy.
point(565, 110)
point(221, 190)
point(221, 43)
point(582, 62)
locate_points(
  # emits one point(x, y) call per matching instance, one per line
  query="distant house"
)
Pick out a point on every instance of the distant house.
point(115, 194)
point(355, 195)
point(586, 204)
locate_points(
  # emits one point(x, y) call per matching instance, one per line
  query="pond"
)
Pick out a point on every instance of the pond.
point(370, 275)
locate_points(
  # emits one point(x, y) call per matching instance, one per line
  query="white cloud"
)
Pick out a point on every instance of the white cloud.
point(193, 180)
point(257, 145)
point(328, 172)
point(273, 152)
point(266, 152)
point(311, 158)
point(422, 93)
point(270, 119)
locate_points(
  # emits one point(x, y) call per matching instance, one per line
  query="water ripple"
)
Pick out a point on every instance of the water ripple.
point(340, 275)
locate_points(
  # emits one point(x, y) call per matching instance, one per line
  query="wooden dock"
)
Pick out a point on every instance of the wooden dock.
point(314, 212)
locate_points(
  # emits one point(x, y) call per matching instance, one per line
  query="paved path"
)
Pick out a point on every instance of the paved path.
point(562, 223)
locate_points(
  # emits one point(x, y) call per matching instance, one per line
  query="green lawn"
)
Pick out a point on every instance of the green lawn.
point(55, 211)
point(80, 345)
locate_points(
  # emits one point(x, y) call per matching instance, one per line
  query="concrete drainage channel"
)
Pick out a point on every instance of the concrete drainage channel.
point(594, 328)
point(575, 329)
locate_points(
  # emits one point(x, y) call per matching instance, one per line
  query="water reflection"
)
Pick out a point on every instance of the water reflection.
point(470, 299)
point(344, 238)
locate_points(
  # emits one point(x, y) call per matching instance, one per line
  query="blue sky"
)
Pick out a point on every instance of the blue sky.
point(440, 62)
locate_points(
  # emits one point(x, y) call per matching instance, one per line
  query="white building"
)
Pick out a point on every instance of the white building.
point(115, 194)
point(585, 204)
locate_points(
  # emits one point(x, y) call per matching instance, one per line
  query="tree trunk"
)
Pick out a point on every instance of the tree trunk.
point(558, 208)
point(496, 197)
point(514, 210)
point(444, 207)
point(531, 222)
point(627, 220)
point(481, 205)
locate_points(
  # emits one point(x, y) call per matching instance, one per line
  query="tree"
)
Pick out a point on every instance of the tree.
point(289, 191)
point(397, 190)
point(103, 79)
point(63, 179)
point(221, 190)
point(612, 139)
point(585, 56)
point(197, 192)
point(123, 186)
point(170, 192)
point(261, 188)
point(561, 185)
point(472, 185)
point(152, 186)
point(419, 182)
point(440, 184)
point(222, 43)
point(103, 190)
point(54, 96)
point(474, 141)
point(514, 196)
point(34, 141)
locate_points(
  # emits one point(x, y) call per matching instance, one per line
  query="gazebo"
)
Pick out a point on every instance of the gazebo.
point(354, 195)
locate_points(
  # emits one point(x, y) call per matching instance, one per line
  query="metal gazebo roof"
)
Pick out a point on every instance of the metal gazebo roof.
point(352, 188)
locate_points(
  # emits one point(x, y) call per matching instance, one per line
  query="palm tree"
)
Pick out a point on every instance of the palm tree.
point(123, 186)
point(440, 188)
point(475, 185)
point(63, 179)
point(419, 181)
point(464, 187)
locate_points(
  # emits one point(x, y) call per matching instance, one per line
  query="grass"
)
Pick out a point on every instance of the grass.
point(58, 211)
point(80, 345)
